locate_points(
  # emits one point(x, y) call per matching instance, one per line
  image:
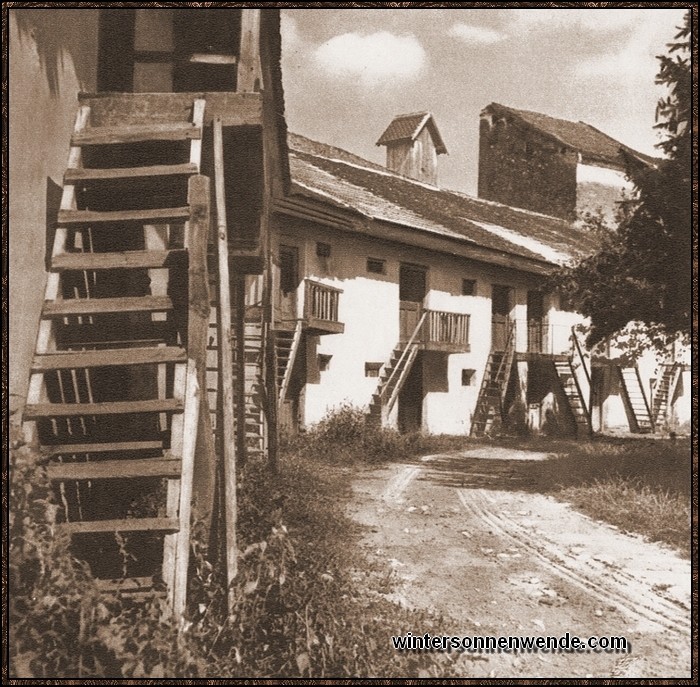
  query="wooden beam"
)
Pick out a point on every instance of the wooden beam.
point(120, 446)
point(132, 259)
point(104, 306)
point(69, 360)
point(42, 410)
point(114, 469)
point(226, 363)
point(241, 446)
point(249, 73)
point(72, 174)
point(197, 334)
point(123, 525)
point(109, 135)
point(84, 217)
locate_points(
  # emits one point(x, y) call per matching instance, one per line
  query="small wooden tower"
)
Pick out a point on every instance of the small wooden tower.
point(413, 143)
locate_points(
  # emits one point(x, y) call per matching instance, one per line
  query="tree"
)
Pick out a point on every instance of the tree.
point(642, 270)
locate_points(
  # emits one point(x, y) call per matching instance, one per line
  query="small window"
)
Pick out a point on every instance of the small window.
point(376, 266)
point(469, 287)
point(323, 250)
point(372, 369)
point(324, 362)
point(468, 377)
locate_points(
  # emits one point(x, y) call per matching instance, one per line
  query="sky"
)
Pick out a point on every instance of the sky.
point(347, 72)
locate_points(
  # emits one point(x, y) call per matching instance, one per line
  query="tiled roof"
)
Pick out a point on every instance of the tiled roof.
point(406, 127)
point(347, 181)
point(593, 144)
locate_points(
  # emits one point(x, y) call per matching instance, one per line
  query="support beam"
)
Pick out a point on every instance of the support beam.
point(226, 362)
point(249, 74)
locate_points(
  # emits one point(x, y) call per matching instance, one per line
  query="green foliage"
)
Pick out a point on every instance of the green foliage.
point(346, 436)
point(306, 605)
point(642, 270)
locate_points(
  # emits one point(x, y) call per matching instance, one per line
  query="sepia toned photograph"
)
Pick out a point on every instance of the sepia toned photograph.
point(349, 343)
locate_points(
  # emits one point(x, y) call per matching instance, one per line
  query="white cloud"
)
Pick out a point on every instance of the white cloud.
point(634, 58)
point(475, 34)
point(376, 59)
point(602, 20)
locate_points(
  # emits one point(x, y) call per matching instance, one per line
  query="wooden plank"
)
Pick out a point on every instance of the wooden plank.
point(122, 525)
point(115, 469)
point(42, 410)
point(133, 259)
point(68, 360)
point(119, 446)
point(249, 74)
point(104, 306)
point(120, 109)
point(190, 425)
point(226, 364)
point(73, 175)
point(196, 145)
point(197, 335)
point(81, 217)
point(107, 135)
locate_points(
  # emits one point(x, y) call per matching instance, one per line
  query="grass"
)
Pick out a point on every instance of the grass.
point(642, 486)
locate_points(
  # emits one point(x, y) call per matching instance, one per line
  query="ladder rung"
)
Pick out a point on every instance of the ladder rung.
point(67, 360)
point(115, 469)
point(123, 525)
point(93, 217)
point(44, 410)
point(121, 446)
point(107, 135)
point(114, 261)
point(73, 175)
point(103, 306)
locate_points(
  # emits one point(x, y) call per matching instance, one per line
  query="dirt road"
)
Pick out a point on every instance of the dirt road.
point(468, 537)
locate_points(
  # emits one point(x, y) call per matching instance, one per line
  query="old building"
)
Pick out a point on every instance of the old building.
point(554, 166)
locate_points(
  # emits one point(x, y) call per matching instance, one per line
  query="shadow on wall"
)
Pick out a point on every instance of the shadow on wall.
point(56, 39)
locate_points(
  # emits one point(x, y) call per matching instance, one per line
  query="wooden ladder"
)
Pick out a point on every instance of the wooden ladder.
point(393, 376)
point(113, 397)
point(287, 350)
point(636, 400)
point(494, 386)
point(664, 392)
point(568, 380)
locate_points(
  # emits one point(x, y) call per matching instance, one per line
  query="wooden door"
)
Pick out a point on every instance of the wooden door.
point(288, 285)
point(535, 322)
point(412, 290)
point(501, 304)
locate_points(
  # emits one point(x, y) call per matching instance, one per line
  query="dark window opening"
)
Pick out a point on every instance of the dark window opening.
point(289, 269)
point(412, 283)
point(501, 300)
point(469, 287)
point(323, 250)
point(376, 266)
point(324, 362)
point(372, 369)
point(468, 377)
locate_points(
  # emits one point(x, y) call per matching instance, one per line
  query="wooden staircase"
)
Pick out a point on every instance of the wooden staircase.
point(633, 392)
point(113, 395)
point(494, 385)
point(287, 345)
point(393, 376)
point(566, 373)
point(664, 392)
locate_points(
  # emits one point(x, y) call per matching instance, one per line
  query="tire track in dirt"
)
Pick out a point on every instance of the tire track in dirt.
point(640, 606)
point(399, 483)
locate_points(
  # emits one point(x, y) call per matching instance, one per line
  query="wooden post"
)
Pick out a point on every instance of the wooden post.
point(197, 334)
point(225, 363)
point(192, 413)
point(241, 447)
point(249, 73)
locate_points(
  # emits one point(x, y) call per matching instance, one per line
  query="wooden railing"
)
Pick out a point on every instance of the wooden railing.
point(446, 328)
point(321, 301)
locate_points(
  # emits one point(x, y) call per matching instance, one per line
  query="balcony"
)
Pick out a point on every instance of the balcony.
point(446, 332)
point(321, 308)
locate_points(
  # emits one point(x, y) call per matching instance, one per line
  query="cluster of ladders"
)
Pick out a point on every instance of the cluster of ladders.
point(113, 398)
